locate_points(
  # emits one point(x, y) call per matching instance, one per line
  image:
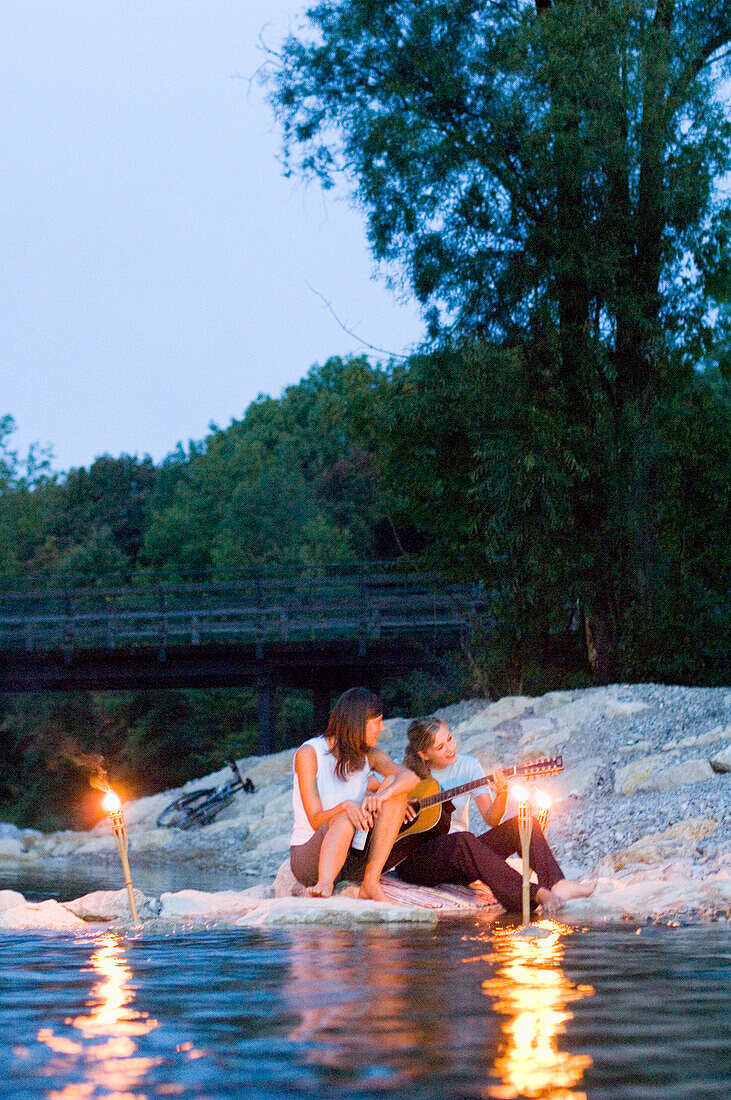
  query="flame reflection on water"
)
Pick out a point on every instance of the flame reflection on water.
point(106, 1048)
point(532, 992)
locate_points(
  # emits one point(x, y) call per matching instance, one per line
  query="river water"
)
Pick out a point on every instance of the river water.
point(463, 1009)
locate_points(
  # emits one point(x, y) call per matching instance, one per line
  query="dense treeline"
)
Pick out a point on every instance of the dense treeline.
point(360, 462)
point(295, 480)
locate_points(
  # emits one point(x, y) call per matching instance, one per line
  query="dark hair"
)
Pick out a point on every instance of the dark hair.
point(346, 728)
point(421, 734)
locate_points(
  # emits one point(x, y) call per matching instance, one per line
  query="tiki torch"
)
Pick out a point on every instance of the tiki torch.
point(113, 806)
point(544, 809)
point(525, 828)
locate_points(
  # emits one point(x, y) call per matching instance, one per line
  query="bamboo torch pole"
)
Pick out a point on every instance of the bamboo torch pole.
point(525, 828)
point(112, 804)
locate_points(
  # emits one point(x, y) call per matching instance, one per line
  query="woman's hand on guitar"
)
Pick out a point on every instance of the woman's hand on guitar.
point(500, 781)
point(410, 814)
point(358, 814)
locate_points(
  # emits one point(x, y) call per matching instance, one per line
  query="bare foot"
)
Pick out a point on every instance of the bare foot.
point(373, 891)
point(566, 888)
point(549, 902)
point(321, 890)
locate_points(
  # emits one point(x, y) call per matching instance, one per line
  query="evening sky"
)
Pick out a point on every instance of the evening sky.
point(156, 261)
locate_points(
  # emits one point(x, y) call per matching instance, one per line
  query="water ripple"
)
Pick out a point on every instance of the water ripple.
point(464, 1011)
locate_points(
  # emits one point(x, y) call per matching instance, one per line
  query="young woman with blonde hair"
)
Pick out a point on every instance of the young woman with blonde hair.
point(460, 856)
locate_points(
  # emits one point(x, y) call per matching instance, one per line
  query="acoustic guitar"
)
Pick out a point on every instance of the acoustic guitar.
point(433, 806)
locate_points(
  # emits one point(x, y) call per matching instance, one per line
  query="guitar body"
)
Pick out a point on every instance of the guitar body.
point(428, 817)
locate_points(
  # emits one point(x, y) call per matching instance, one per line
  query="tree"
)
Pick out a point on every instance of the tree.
point(293, 480)
point(544, 175)
point(24, 484)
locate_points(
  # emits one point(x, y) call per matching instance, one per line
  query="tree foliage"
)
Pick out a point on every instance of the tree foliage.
point(544, 176)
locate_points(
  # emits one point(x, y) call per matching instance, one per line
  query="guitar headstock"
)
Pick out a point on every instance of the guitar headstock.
point(548, 766)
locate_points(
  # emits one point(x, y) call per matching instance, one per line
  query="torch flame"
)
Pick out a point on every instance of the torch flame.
point(520, 792)
point(544, 800)
point(111, 802)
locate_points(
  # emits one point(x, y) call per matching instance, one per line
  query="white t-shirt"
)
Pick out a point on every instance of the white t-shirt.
point(330, 789)
point(464, 770)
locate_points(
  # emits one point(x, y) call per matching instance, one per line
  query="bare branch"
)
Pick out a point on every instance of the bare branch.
point(384, 351)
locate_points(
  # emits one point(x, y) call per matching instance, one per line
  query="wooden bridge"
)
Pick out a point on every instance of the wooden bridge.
point(320, 628)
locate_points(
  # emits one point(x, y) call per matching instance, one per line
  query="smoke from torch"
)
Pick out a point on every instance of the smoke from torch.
point(90, 762)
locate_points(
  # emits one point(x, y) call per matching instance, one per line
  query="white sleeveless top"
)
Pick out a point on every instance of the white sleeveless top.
point(330, 789)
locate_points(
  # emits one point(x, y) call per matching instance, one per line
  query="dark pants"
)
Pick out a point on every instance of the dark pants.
point(464, 857)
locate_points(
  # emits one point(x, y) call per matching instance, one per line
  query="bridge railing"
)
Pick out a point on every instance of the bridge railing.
point(294, 604)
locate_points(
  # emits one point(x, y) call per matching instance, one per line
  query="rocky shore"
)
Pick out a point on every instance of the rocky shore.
point(643, 803)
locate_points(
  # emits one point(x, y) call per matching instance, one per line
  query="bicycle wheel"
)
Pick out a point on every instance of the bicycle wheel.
point(177, 812)
point(206, 812)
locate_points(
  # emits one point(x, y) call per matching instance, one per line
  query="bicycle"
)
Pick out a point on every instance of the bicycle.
point(200, 807)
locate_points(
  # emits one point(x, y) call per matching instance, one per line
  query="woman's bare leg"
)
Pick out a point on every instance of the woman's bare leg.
point(566, 888)
point(332, 855)
point(388, 822)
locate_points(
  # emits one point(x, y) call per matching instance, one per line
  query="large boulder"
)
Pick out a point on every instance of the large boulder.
point(336, 910)
point(679, 841)
point(9, 899)
point(203, 905)
point(11, 847)
point(654, 774)
point(105, 905)
point(286, 885)
point(40, 914)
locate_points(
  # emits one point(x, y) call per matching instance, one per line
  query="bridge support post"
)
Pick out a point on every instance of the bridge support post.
point(267, 716)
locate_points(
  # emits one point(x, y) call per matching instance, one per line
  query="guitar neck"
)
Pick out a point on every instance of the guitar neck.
point(455, 792)
point(528, 770)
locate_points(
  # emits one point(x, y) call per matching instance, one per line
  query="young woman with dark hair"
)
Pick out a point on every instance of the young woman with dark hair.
point(462, 857)
point(334, 794)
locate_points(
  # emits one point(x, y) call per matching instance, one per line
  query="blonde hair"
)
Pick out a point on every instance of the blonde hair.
point(421, 734)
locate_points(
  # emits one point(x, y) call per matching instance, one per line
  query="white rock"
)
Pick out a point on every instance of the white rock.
point(572, 723)
point(99, 845)
point(40, 914)
point(286, 885)
point(275, 844)
point(632, 747)
point(111, 905)
point(718, 733)
point(678, 841)
point(625, 707)
point(535, 727)
point(721, 761)
point(11, 847)
point(144, 812)
point(10, 898)
point(264, 770)
point(156, 840)
point(336, 910)
point(550, 701)
point(199, 903)
point(653, 774)
point(577, 780)
point(510, 706)
point(65, 843)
